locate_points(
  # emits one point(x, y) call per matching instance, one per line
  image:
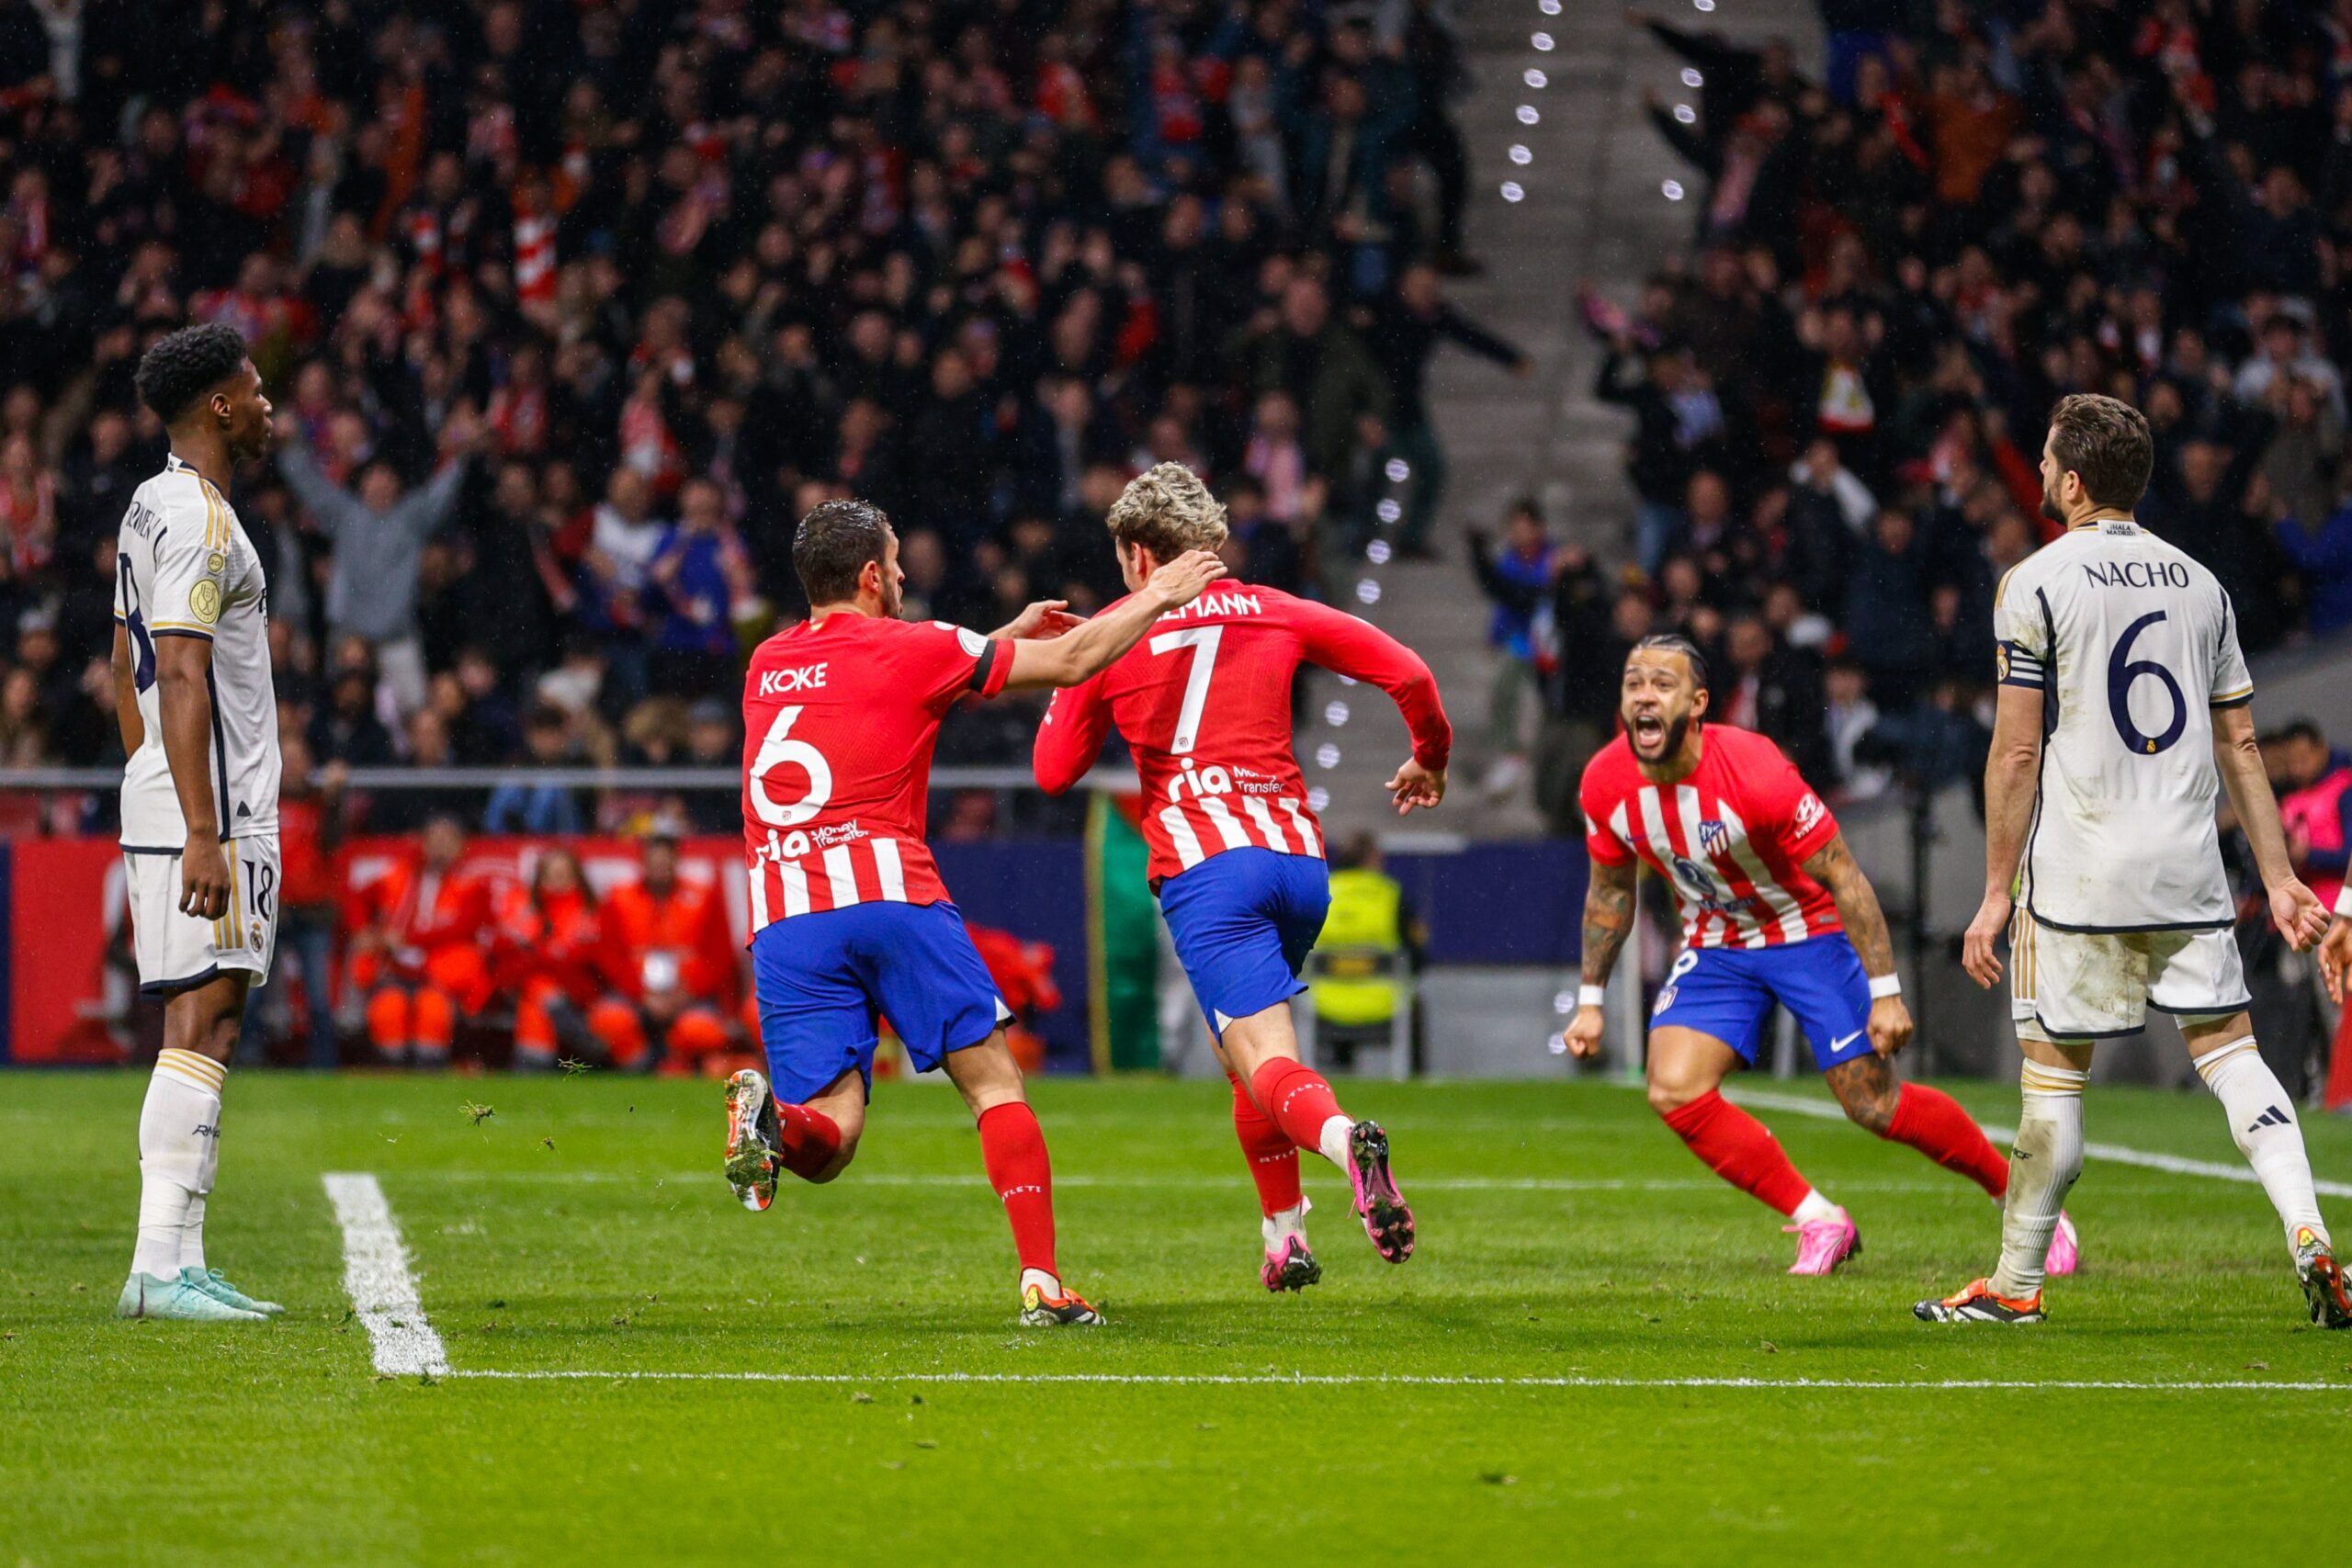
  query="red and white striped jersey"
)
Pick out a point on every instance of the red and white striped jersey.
point(839, 723)
point(1730, 838)
point(1204, 704)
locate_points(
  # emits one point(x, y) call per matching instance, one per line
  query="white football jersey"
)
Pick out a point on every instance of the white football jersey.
point(2133, 645)
point(186, 568)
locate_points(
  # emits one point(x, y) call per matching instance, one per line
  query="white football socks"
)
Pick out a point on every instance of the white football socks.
point(2043, 1163)
point(179, 1148)
point(1814, 1207)
point(1289, 1223)
point(1332, 1141)
point(2262, 1119)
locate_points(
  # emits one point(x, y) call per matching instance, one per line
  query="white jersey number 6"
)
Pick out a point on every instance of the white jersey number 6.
point(777, 750)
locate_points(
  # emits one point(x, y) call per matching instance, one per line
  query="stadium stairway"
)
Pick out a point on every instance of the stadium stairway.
point(1592, 207)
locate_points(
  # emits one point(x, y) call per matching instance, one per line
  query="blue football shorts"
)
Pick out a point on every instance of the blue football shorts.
point(1242, 922)
point(1728, 992)
point(823, 976)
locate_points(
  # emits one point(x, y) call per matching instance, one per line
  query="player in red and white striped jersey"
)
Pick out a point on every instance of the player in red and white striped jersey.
point(849, 917)
point(1768, 894)
point(1237, 854)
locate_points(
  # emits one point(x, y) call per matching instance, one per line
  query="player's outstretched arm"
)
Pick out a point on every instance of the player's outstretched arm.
point(2010, 771)
point(183, 679)
point(1833, 866)
point(1608, 919)
point(1345, 645)
point(1086, 650)
point(2301, 917)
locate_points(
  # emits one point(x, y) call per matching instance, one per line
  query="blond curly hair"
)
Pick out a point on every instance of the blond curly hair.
point(1167, 510)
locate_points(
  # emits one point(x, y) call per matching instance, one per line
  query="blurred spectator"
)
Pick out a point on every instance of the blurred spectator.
point(1405, 332)
point(378, 534)
point(1517, 578)
point(673, 967)
point(538, 807)
point(420, 948)
point(553, 961)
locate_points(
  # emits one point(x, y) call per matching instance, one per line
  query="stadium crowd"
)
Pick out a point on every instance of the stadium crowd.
point(1897, 268)
point(570, 311)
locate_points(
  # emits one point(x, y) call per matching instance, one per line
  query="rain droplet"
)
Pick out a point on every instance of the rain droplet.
point(1397, 470)
point(1673, 189)
point(1527, 115)
point(1319, 799)
point(1684, 114)
point(1367, 591)
point(1388, 511)
point(1327, 755)
point(1377, 552)
point(1535, 78)
point(1520, 154)
point(1514, 191)
point(1690, 77)
point(1543, 41)
point(1335, 713)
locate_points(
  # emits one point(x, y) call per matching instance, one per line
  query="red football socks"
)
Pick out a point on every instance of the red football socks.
point(1273, 1158)
point(811, 1139)
point(1740, 1149)
point(1297, 1099)
point(1013, 1145)
point(1932, 1122)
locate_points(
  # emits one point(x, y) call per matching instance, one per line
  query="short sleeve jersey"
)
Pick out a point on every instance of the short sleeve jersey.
point(839, 720)
point(185, 569)
point(1730, 838)
point(2132, 644)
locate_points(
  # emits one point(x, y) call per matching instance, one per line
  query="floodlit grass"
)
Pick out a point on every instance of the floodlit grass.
point(583, 1228)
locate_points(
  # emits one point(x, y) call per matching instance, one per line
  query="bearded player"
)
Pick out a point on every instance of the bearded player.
point(849, 917)
point(199, 716)
point(1774, 912)
point(2125, 711)
point(1236, 852)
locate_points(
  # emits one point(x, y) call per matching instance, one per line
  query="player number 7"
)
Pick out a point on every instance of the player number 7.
point(1204, 640)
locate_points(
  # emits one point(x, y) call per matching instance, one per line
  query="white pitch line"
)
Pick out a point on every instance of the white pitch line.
point(2118, 1154)
point(376, 1273)
point(1205, 1183)
point(1344, 1380)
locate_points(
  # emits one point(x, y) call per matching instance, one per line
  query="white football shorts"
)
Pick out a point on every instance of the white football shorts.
point(178, 951)
point(2070, 985)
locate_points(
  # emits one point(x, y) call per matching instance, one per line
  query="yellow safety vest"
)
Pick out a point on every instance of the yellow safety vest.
point(1367, 915)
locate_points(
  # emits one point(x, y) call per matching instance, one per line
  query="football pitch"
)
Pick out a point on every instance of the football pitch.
point(1593, 1356)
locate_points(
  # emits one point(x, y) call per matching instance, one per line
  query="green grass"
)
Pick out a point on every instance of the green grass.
point(583, 1228)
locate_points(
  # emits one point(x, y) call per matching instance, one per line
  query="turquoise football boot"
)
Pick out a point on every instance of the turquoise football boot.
point(146, 1295)
point(214, 1284)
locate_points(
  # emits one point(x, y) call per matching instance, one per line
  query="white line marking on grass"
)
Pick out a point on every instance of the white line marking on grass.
point(1315, 1379)
point(376, 1273)
point(2118, 1154)
point(1205, 1183)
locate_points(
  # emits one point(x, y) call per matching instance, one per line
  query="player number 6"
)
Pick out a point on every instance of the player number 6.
point(778, 750)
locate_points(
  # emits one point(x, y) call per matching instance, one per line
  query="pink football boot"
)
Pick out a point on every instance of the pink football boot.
point(1822, 1245)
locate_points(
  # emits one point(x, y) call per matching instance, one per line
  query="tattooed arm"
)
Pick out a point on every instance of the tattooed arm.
point(1833, 866)
point(1608, 921)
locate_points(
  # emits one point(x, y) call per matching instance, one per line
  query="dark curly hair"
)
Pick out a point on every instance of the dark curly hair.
point(186, 365)
point(832, 546)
